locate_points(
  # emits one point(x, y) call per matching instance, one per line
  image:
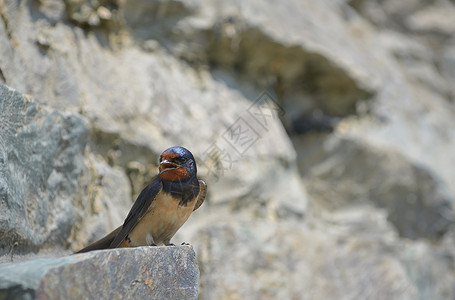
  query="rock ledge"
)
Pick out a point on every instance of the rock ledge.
point(138, 273)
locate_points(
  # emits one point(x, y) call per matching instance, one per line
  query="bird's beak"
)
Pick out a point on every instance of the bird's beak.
point(166, 165)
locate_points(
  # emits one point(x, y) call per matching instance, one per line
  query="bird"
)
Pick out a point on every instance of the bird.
point(162, 207)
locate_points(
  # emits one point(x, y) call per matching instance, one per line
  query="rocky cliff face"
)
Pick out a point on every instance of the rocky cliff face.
point(324, 129)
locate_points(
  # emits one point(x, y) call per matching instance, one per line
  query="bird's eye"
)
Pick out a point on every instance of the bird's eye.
point(180, 160)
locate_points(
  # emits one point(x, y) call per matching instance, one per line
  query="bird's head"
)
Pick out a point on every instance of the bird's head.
point(177, 164)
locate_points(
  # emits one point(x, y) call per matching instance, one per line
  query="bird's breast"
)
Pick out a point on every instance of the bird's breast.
point(162, 220)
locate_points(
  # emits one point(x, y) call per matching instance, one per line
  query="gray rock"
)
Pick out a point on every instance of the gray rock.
point(135, 273)
point(428, 18)
point(447, 66)
point(262, 259)
point(349, 173)
point(425, 264)
point(107, 202)
point(41, 163)
point(51, 190)
point(154, 102)
point(319, 64)
point(434, 19)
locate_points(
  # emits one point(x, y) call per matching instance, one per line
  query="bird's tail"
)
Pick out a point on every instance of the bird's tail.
point(103, 243)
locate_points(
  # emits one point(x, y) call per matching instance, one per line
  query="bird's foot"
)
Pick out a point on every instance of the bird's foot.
point(152, 244)
point(170, 244)
point(185, 244)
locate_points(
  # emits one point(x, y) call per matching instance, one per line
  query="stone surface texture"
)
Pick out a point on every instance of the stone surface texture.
point(325, 131)
point(139, 273)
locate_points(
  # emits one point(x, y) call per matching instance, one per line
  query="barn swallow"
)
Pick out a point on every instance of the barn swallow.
point(162, 207)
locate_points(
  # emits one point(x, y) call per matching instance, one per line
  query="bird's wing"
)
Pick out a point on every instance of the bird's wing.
point(138, 210)
point(102, 243)
point(201, 195)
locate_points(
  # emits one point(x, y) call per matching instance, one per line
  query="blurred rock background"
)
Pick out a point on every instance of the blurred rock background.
point(324, 129)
